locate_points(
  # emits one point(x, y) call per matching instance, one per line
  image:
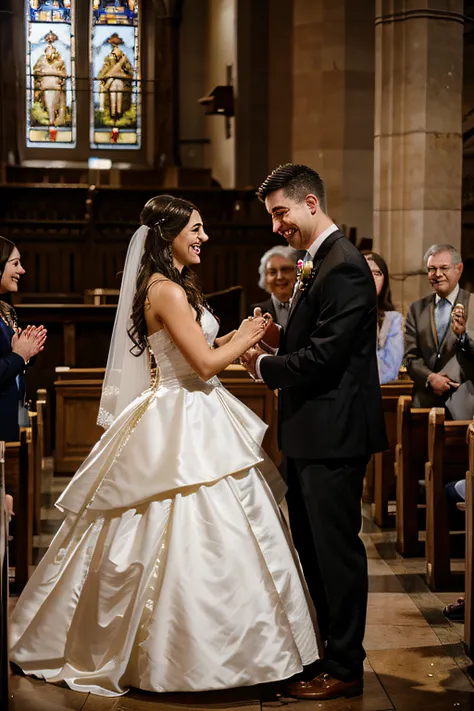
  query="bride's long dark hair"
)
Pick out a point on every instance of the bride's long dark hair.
point(166, 216)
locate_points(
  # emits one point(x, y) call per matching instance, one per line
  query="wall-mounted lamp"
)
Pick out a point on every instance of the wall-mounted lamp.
point(220, 102)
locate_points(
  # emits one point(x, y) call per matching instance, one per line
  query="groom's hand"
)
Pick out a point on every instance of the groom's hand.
point(272, 333)
point(249, 360)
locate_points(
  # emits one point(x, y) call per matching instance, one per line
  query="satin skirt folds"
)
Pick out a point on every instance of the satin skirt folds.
point(191, 586)
point(171, 439)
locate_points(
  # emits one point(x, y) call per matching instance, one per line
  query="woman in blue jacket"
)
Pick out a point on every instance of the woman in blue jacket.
point(390, 340)
point(16, 347)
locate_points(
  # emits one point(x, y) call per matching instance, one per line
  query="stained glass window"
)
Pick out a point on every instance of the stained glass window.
point(115, 74)
point(50, 80)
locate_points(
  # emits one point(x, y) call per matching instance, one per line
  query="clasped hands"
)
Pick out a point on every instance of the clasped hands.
point(440, 383)
point(266, 346)
point(29, 342)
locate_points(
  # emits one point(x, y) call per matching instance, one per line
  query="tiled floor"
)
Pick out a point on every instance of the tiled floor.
point(415, 659)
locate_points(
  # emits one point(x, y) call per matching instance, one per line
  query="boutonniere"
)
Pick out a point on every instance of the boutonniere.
point(304, 273)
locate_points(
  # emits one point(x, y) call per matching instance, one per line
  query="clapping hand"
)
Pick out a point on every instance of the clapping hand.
point(30, 342)
point(458, 319)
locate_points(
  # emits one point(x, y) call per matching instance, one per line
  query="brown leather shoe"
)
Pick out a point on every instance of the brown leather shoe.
point(324, 687)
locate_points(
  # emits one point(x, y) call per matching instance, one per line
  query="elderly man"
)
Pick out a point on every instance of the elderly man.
point(438, 349)
point(277, 272)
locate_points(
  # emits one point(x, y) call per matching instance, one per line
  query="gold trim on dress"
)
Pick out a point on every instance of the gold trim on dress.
point(8, 315)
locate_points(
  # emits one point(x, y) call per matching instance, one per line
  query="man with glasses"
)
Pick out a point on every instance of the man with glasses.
point(438, 349)
point(277, 276)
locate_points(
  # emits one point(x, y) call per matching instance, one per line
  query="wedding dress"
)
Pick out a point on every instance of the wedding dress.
point(173, 570)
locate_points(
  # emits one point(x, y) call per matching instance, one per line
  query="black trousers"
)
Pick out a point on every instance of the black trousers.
point(324, 503)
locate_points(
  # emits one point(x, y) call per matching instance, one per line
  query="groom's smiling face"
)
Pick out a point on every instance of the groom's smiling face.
point(293, 219)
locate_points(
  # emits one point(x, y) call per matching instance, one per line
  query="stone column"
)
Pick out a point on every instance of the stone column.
point(167, 22)
point(418, 136)
point(333, 102)
point(11, 103)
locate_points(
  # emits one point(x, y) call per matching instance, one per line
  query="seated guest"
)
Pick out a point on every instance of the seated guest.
point(456, 493)
point(16, 347)
point(438, 350)
point(390, 344)
point(277, 273)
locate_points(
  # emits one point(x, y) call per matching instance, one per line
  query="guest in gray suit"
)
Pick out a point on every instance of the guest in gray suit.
point(439, 352)
point(277, 276)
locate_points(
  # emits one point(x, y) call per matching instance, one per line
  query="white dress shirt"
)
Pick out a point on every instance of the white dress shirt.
point(312, 250)
point(451, 298)
point(281, 310)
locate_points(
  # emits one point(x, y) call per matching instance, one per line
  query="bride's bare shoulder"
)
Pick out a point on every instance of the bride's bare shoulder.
point(163, 288)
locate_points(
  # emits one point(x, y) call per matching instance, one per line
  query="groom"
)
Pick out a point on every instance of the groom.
point(330, 419)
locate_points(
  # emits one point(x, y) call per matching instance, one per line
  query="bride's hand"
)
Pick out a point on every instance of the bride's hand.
point(222, 340)
point(251, 330)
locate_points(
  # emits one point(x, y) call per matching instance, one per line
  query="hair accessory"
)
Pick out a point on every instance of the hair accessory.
point(169, 257)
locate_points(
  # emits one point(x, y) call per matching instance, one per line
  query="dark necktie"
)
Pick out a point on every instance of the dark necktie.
point(283, 308)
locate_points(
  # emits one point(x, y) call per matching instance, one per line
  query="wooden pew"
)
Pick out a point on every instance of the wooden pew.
point(469, 574)
point(78, 336)
point(384, 474)
point(4, 587)
point(78, 392)
point(19, 482)
point(40, 428)
point(101, 296)
point(411, 455)
point(448, 460)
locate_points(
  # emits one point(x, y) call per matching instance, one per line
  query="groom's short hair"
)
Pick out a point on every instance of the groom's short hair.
point(297, 181)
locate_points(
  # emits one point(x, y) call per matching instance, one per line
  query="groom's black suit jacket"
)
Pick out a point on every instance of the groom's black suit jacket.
point(330, 403)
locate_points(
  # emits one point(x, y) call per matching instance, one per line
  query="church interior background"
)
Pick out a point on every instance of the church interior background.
point(105, 103)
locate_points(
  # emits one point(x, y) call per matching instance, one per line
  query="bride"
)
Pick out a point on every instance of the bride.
point(172, 570)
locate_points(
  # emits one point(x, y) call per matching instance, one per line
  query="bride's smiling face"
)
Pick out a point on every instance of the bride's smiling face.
point(186, 247)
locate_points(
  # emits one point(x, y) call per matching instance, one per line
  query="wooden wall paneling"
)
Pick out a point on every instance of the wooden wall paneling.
point(73, 238)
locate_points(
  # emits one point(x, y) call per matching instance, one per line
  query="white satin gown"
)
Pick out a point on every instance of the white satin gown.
point(173, 570)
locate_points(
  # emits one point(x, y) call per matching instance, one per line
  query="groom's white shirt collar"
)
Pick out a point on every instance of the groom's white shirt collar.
point(313, 248)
